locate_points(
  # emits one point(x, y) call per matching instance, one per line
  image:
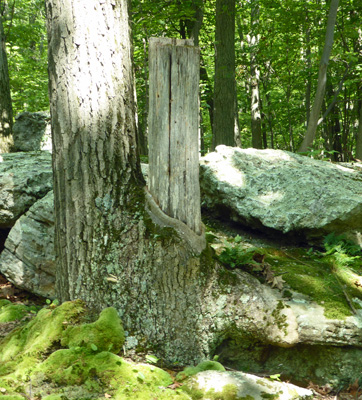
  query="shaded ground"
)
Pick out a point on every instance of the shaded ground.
point(276, 250)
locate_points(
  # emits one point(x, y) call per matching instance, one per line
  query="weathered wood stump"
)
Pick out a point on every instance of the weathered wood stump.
point(173, 129)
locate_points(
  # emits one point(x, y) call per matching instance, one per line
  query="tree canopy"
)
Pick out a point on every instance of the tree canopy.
point(290, 38)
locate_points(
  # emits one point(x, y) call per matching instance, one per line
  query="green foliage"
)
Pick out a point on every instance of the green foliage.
point(236, 256)
point(340, 244)
point(26, 44)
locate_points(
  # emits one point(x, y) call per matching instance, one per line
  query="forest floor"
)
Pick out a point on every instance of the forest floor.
point(17, 296)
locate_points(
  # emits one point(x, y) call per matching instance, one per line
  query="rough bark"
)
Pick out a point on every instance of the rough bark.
point(6, 111)
point(110, 250)
point(224, 87)
point(322, 79)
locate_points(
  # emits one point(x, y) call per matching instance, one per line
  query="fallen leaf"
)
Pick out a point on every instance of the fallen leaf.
point(107, 396)
point(278, 282)
point(174, 386)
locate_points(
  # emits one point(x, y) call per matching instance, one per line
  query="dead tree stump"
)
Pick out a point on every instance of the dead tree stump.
point(173, 129)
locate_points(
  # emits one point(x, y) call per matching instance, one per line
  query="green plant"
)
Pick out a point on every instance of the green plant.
point(236, 256)
point(340, 244)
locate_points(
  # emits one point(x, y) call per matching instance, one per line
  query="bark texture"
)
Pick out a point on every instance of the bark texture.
point(173, 129)
point(224, 87)
point(109, 249)
point(322, 79)
point(114, 246)
point(6, 111)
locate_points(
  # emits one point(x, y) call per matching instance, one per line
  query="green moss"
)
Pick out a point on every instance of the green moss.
point(12, 312)
point(315, 276)
point(11, 397)
point(32, 354)
point(95, 372)
point(21, 349)
point(228, 392)
point(105, 334)
point(203, 366)
point(280, 320)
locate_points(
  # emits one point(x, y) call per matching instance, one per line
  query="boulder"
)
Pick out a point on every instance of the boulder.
point(28, 260)
point(282, 192)
point(32, 131)
point(24, 178)
point(239, 385)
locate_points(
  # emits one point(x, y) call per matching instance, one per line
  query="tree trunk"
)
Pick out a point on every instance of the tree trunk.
point(173, 129)
point(359, 133)
point(224, 87)
point(114, 245)
point(6, 111)
point(322, 79)
point(253, 39)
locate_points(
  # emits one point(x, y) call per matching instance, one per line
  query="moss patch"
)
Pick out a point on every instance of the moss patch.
point(318, 277)
point(105, 334)
point(12, 312)
point(203, 366)
point(31, 356)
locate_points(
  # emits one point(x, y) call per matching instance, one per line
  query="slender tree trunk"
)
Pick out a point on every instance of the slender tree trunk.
point(253, 39)
point(359, 133)
point(6, 111)
point(224, 87)
point(322, 79)
point(308, 86)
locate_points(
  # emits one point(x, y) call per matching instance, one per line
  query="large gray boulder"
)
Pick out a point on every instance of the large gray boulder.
point(282, 192)
point(32, 131)
point(24, 178)
point(28, 259)
point(238, 385)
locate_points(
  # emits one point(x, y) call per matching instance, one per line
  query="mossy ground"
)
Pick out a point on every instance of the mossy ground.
point(331, 279)
point(58, 356)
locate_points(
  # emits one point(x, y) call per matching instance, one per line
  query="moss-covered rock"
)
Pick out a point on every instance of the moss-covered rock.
point(12, 312)
point(104, 371)
point(202, 366)
point(105, 334)
point(31, 356)
point(20, 349)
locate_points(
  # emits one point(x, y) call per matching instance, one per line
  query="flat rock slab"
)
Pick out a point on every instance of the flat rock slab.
point(24, 179)
point(281, 191)
point(28, 260)
point(239, 385)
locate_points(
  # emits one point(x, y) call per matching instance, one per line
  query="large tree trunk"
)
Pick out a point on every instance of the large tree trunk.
point(322, 79)
point(110, 250)
point(114, 245)
point(6, 111)
point(224, 87)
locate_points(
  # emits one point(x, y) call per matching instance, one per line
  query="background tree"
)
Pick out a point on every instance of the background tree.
point(6, 111)
point(253, 41)
point(224, 85)
point(322, 79)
